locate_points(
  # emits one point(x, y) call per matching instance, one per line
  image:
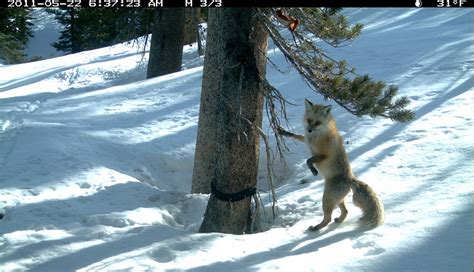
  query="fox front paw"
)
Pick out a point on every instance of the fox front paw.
point(314, 171)
point(309, 163)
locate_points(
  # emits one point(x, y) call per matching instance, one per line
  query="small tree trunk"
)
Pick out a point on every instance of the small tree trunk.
point(75, 47)
point(166, 49)
point(199, 40)
point(227, 147)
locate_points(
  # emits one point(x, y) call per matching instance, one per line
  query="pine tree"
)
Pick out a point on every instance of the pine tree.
point(15, 29)
point(166, 49)
point(102, 27)
point(11, 50)
point(86, 29)
point(134, 23)
point(16, 22)
point(190, 25)
point(69, 40)
point(358, 94)
point(227, 147)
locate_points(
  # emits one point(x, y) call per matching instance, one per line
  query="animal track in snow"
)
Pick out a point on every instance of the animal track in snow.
point(368, 243)
point(163, 255)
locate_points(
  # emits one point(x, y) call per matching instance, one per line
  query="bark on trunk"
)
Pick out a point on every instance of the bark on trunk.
point(166, 49)
point(190, 25)
point(227, 147)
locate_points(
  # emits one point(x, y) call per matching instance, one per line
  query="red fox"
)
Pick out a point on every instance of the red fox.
point(330, 158)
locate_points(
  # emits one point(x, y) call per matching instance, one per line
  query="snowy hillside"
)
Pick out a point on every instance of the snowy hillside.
point(96, 161)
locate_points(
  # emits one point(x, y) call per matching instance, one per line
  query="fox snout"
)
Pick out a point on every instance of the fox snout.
point(312, 125)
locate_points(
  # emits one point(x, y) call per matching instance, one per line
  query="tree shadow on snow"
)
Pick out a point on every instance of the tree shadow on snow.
point(85, 217)
point(448, 248)
point(57, 70)
point(397, 128)
point(310, 242)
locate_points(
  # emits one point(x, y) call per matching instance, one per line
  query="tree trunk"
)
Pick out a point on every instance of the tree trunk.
point(190, 25)
point(199, 40)
point(227, 147)
point(75, 48)
point(166, 49)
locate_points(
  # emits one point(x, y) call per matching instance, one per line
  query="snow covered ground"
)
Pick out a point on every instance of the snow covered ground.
point(96, 162)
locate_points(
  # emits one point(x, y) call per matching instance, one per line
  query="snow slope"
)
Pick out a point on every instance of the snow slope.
point(96, 162)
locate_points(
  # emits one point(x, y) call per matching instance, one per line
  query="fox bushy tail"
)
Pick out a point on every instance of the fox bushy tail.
point(366, 199)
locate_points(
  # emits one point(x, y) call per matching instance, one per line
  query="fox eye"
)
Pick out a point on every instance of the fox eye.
point(317, 123)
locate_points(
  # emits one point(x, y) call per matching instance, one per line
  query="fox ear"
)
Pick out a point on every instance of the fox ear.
point(308, 104)
point(327, 109)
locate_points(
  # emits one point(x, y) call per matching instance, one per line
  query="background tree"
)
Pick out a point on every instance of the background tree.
point(16, 22)
point(192, 28)
point(134, 23)
point(227, 148)
point(166, 49)
point(86, 29)
point(69, 39)
point(15, 29)
point(191, 16)
point(11, 50)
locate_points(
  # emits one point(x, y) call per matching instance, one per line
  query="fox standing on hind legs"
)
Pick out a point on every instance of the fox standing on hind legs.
point(330, 159)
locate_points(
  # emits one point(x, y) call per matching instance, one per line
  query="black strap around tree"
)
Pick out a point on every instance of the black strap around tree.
point(233, 197)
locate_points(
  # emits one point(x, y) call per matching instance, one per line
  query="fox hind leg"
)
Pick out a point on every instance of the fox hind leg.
point(342, 207)
point(327, 208)
point(334, 194)
point(329, 204)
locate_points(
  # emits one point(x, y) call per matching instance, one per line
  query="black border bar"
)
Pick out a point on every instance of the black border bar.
point(234, 3)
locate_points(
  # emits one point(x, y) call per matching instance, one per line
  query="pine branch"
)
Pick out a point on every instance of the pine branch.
point(359, 95)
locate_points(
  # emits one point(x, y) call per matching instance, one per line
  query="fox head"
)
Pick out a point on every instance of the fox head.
point(317, 118)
